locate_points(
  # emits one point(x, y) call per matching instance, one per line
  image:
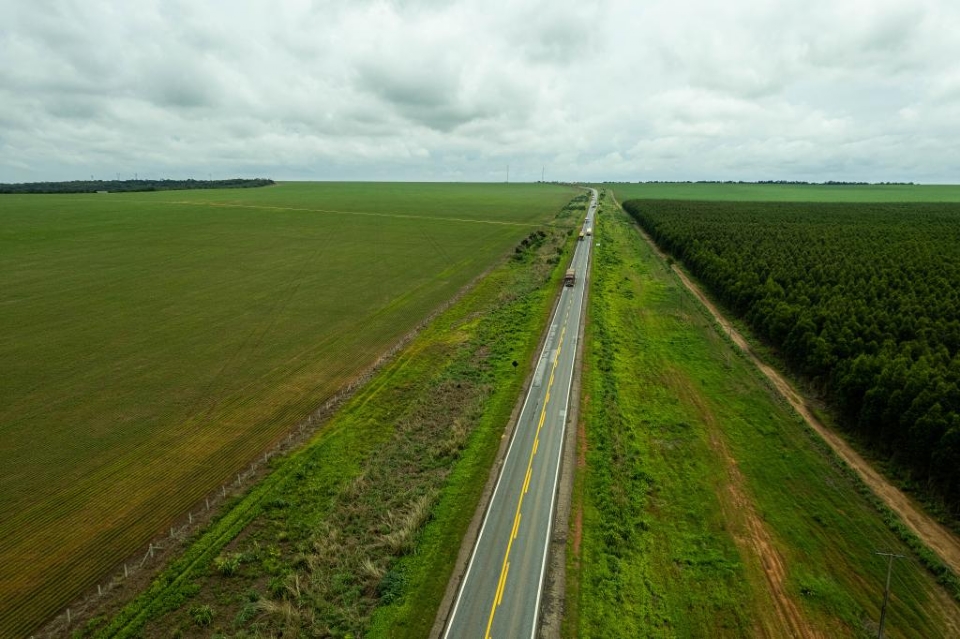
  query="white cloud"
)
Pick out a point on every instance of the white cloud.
point(683, 89)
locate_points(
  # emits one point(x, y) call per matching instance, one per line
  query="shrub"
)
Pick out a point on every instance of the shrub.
point(202, 615)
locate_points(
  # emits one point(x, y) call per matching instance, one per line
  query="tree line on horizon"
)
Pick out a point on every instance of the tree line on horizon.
point(863, 300)
point(124, 186)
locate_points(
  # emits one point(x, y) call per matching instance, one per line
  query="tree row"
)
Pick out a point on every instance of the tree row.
point(863, 299)
point(121, 186)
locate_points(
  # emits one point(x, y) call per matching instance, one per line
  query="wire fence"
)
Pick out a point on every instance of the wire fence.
point(161, 548)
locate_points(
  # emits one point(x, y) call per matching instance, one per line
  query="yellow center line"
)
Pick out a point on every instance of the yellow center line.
point(503, 580)
point(502, 583)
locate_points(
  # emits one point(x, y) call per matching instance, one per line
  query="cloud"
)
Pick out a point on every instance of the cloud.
point(422, 89)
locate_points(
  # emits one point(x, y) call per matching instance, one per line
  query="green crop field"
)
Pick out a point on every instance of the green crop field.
point(154, 343)
point(787, 192)
point(704, 506)
point(353, 534)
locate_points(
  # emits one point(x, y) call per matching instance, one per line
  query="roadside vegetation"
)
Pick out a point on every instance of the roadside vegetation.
point(859, 299)
point(154, 344)
point(354, 534)
point(704, 506)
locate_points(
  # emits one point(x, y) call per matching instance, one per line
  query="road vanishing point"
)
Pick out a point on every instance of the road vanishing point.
point(499, 596)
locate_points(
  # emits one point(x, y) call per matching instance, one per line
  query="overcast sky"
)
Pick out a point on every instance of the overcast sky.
point(428, 90)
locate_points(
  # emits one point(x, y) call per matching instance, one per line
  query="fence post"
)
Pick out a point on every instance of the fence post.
point(190, 517)
point(126, 573)
point(207, 499)
point(99, 591)
point(68, 616)
point(224, 489)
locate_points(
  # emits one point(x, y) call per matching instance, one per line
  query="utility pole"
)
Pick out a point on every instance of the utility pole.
point(886, 593)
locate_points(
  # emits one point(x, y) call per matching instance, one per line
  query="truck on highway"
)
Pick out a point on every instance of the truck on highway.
point(581, 236)
point(570, 278)
point(589, 230)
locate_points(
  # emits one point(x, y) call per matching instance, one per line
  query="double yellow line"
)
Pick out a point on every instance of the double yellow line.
point(505, 569)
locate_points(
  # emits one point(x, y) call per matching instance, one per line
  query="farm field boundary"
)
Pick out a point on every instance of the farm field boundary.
point(364, 213)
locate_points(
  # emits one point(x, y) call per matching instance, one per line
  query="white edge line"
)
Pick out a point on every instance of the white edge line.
point(513, 438)
point(563, 434)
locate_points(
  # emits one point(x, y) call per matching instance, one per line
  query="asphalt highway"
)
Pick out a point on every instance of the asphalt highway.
point(500, 593)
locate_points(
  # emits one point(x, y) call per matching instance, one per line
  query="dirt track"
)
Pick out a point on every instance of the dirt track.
point(943, 542)
point(749, 531)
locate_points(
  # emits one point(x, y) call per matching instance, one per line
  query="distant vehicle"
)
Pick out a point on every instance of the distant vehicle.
point(589, 230)
point(570, 278)
point(581, 236)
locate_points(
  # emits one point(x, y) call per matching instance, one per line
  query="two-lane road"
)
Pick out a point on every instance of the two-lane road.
point(500, 593)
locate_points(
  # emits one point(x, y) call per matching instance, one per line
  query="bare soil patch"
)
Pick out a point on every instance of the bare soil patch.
point(750, 532)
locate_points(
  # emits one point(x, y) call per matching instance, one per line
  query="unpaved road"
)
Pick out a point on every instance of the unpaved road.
point(936, 537)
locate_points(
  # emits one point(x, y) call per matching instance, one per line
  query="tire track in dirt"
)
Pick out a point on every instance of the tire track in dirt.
point(935, 536)
point(403, 216)
point(749, 531)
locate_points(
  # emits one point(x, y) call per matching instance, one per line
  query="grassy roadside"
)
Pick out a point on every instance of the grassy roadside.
point(703, 505)
point(355, 533)
point(510, 333)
